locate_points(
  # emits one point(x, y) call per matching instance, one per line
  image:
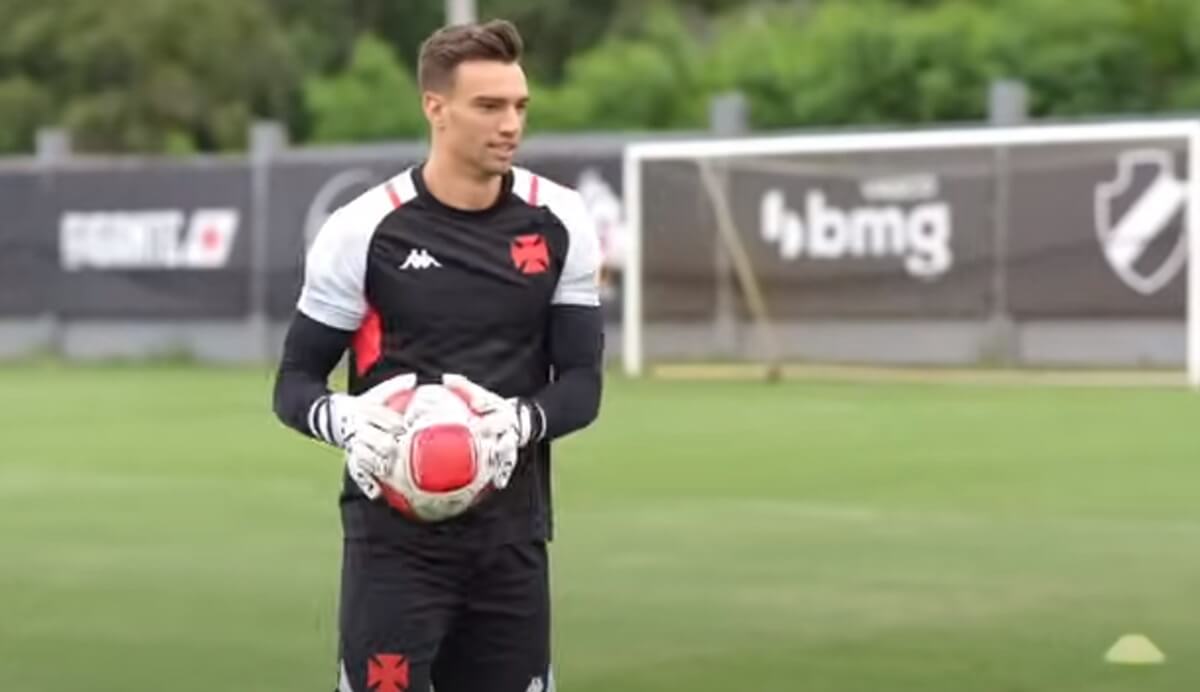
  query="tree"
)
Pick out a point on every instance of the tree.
point(648, 81)
point(375, 97)
point(554, 30)
point(861, 63)
point(24, 107)
point(187, 75)
point(146, 75)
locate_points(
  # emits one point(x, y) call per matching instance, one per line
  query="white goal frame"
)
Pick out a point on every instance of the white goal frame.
point(633, 355)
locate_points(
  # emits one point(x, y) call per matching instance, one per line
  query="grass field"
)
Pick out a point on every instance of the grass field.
point(160, 531)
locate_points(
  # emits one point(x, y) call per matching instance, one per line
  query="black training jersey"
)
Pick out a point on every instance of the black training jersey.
point(432, 289)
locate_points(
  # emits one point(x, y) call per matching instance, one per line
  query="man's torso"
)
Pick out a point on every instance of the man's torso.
point(451, 291)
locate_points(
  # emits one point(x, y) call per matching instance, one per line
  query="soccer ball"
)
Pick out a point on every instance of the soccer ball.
point(446, 471)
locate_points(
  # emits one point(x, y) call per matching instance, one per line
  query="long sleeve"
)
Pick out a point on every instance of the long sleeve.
point(576, 343)
point(311, 351)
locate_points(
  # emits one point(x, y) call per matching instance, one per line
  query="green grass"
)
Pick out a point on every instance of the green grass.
point(160, 531)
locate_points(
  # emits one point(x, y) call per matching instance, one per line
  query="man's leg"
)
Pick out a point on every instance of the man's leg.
point(396, 605)
point(501, 640)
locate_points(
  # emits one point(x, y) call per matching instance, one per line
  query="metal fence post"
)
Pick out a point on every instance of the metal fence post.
point(461, 12)
point(267, 138)
point(53, 146)
point(1007, 106)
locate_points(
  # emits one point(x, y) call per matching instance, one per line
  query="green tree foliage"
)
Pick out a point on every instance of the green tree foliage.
point(24, 106)
point(1109, 56)
point(184, 75)
point(375, 97)
point(923, 61)
point(649, 80)
point(146, 75)
point(554, 30)
point(860, 63)
point(324, 31)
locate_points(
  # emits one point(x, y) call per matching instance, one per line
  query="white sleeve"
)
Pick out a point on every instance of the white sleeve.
point(579, 283)
point(335, 271)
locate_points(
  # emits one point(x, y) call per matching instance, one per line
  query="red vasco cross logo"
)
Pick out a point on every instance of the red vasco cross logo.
point(530, 254)
point(387, 673)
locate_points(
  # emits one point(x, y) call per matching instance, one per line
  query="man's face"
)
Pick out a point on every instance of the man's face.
point(481, 116)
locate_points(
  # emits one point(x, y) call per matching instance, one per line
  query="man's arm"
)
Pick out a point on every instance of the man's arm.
point(576, 327)
point(572, 400)
point(310, 353)
point(575, 339)
point(331, 306)
point(302, 400)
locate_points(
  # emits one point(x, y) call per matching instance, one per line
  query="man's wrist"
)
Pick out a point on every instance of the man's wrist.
point(328, 418)
point(532, 419)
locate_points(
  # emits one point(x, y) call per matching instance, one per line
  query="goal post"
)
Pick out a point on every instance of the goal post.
point(840, 229)
point(1193, 273)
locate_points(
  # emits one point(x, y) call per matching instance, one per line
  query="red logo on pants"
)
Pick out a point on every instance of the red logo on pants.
point(387, 673)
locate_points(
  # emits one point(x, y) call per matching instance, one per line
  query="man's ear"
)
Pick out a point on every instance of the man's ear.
point(434, 105)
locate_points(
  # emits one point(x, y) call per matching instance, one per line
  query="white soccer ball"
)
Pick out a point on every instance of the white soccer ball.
point(444, 471)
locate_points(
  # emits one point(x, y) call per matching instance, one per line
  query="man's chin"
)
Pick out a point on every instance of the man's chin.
point(497, 168)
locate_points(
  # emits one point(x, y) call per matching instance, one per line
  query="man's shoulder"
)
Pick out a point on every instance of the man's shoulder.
point(363, 214)
point(540, 191)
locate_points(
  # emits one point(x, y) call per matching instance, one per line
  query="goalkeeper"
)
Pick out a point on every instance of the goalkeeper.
point(462, 264)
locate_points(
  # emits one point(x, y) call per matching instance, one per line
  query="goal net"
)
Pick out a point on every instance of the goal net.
point(1041, 245)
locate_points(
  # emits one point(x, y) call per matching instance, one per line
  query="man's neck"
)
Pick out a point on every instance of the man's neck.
point(457, 188)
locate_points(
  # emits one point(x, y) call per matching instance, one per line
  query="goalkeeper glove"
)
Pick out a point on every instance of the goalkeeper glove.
point(505, 425)
point(368, 431)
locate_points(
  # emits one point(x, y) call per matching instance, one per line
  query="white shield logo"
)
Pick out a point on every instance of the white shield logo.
point(1126, 234)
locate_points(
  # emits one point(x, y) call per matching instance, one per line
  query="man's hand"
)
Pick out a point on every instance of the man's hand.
point(371, 434)
point(505, 425)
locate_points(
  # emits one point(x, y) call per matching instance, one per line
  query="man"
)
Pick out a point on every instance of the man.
point(468, 265)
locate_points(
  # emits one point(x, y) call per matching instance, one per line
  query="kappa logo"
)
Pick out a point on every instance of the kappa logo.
point(387, 673)
point(419, 258)
point(536, 685)
point(1139, 220)
point(530, 254)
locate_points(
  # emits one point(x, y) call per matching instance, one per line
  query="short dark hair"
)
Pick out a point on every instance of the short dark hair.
point(450, 46)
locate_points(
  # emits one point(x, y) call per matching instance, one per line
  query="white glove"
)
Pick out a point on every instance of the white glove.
point(505, 425)
point(371, 434)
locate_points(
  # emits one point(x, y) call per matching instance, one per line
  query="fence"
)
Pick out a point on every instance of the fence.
point(1063, 243)
point(136, 257)
point(103, 257)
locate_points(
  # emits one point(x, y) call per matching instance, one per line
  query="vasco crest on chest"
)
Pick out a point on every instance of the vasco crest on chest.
point(497, 269)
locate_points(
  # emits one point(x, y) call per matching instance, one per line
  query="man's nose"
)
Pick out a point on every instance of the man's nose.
point(511, 122)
